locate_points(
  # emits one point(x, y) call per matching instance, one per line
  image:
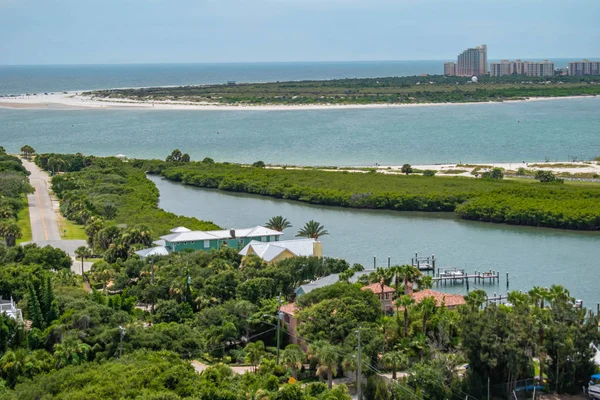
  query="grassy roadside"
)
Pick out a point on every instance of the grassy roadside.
point(24, 222)
point(69, 230)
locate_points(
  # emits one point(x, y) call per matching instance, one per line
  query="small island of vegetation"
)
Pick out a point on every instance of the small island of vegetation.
point(388, 90)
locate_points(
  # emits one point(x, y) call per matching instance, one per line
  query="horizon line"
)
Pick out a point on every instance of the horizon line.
point(282, 62)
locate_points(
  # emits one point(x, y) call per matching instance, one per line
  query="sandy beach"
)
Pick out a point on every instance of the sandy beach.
point(74, 101)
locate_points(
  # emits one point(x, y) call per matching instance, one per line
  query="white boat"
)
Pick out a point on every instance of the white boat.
point(594, 387)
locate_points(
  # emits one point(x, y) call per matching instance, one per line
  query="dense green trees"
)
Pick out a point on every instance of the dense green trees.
point(115, 192)
point(493, 200)
point(382, 90)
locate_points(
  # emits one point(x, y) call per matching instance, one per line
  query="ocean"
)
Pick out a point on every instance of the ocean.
point(56, 78)
point(554, 130)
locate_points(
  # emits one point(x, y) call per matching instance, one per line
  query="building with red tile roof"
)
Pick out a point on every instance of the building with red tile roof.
point(385, 294)
point(449, 300)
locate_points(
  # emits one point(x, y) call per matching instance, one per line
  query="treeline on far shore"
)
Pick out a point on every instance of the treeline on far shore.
point(552, 205)
point(408, 89)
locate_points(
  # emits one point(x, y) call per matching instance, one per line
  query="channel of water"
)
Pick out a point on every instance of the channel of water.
point(531, 256)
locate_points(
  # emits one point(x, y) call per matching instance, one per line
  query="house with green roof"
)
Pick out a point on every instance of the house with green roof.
point(181, 239)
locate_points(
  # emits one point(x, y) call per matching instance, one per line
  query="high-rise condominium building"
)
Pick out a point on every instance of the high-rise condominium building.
point(584, 67)
point(544, 68)
point(501, 68)
point(518, 67)
point(450, 68)
point(472, 62)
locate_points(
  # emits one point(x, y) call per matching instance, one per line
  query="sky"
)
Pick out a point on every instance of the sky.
point(187, 31)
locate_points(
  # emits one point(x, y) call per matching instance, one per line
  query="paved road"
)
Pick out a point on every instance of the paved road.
point(44, 226)
point(43, 211)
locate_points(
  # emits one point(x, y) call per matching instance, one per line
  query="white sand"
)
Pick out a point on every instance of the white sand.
point(570, 167)
point(74, 100)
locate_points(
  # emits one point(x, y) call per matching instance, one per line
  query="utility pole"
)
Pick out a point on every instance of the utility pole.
point(278, 324)
point(358, 375)
point(488, 397)
point(121, 341)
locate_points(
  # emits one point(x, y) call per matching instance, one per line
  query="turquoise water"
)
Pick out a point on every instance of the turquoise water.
point(54, 78)
point(531, 256)
point(524, 131)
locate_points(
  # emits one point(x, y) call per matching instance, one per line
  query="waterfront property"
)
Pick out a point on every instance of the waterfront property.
point(280, 250)
point(329, 280)
point(182, 238)
point(518, 67)
point(584, 67)
point(385, 294)
point(471, 62)
point(450, 301)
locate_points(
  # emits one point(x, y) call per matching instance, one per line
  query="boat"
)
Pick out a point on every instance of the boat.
point(594, 387)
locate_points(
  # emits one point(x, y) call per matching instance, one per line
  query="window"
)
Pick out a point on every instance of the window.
point(387, 296)
point(206, 244)
point(263, 238)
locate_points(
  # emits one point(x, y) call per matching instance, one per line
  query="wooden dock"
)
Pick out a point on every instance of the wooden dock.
point(424, 263)
point(460, 276)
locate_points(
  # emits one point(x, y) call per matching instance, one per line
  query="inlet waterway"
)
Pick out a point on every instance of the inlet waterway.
point(531, 256)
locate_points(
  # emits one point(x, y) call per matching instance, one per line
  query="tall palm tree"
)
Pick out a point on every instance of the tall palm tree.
point(292, 357)
point(327, 356)
point(383, 276)
point(82, 252)
point(408, 273)
point(278, 223)
point(406, 302)
point(312, 229)
point(395, 360)
point(427, 307)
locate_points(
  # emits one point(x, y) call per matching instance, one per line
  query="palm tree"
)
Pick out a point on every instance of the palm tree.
point(83, 252)
point(278, 223)
point(405, 301)
point(427, 307)
point(408, 273)
point(327, 356)
point(292, 357)
point(10, 231)
point(102, 272)
point(395, 360)
point(312, 229)
point(27, 151)
point(383, 276)
point(476, 298)
point(71, 351)
point(255, 351)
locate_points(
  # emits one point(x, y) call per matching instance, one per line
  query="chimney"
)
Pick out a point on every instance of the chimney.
point(317, 249)
point(232, 233)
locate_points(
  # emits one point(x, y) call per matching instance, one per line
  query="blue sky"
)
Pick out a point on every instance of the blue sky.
point(155, 31)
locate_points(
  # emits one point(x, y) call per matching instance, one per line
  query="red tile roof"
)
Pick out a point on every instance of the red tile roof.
point(450, 300)
point(289, 309)
point(376, 288)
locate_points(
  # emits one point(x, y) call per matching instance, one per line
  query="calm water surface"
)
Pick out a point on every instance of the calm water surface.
point(531, 256)
point(477, 133)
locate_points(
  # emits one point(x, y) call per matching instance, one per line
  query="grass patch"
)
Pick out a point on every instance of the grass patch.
point(24, 222)
point(69, 230)
point(558, 165)
point(452, 171)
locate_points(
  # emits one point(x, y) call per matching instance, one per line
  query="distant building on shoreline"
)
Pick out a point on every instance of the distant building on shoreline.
point(471, 62)
point(518, 67)
point(450, 68)
point(584, 67)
